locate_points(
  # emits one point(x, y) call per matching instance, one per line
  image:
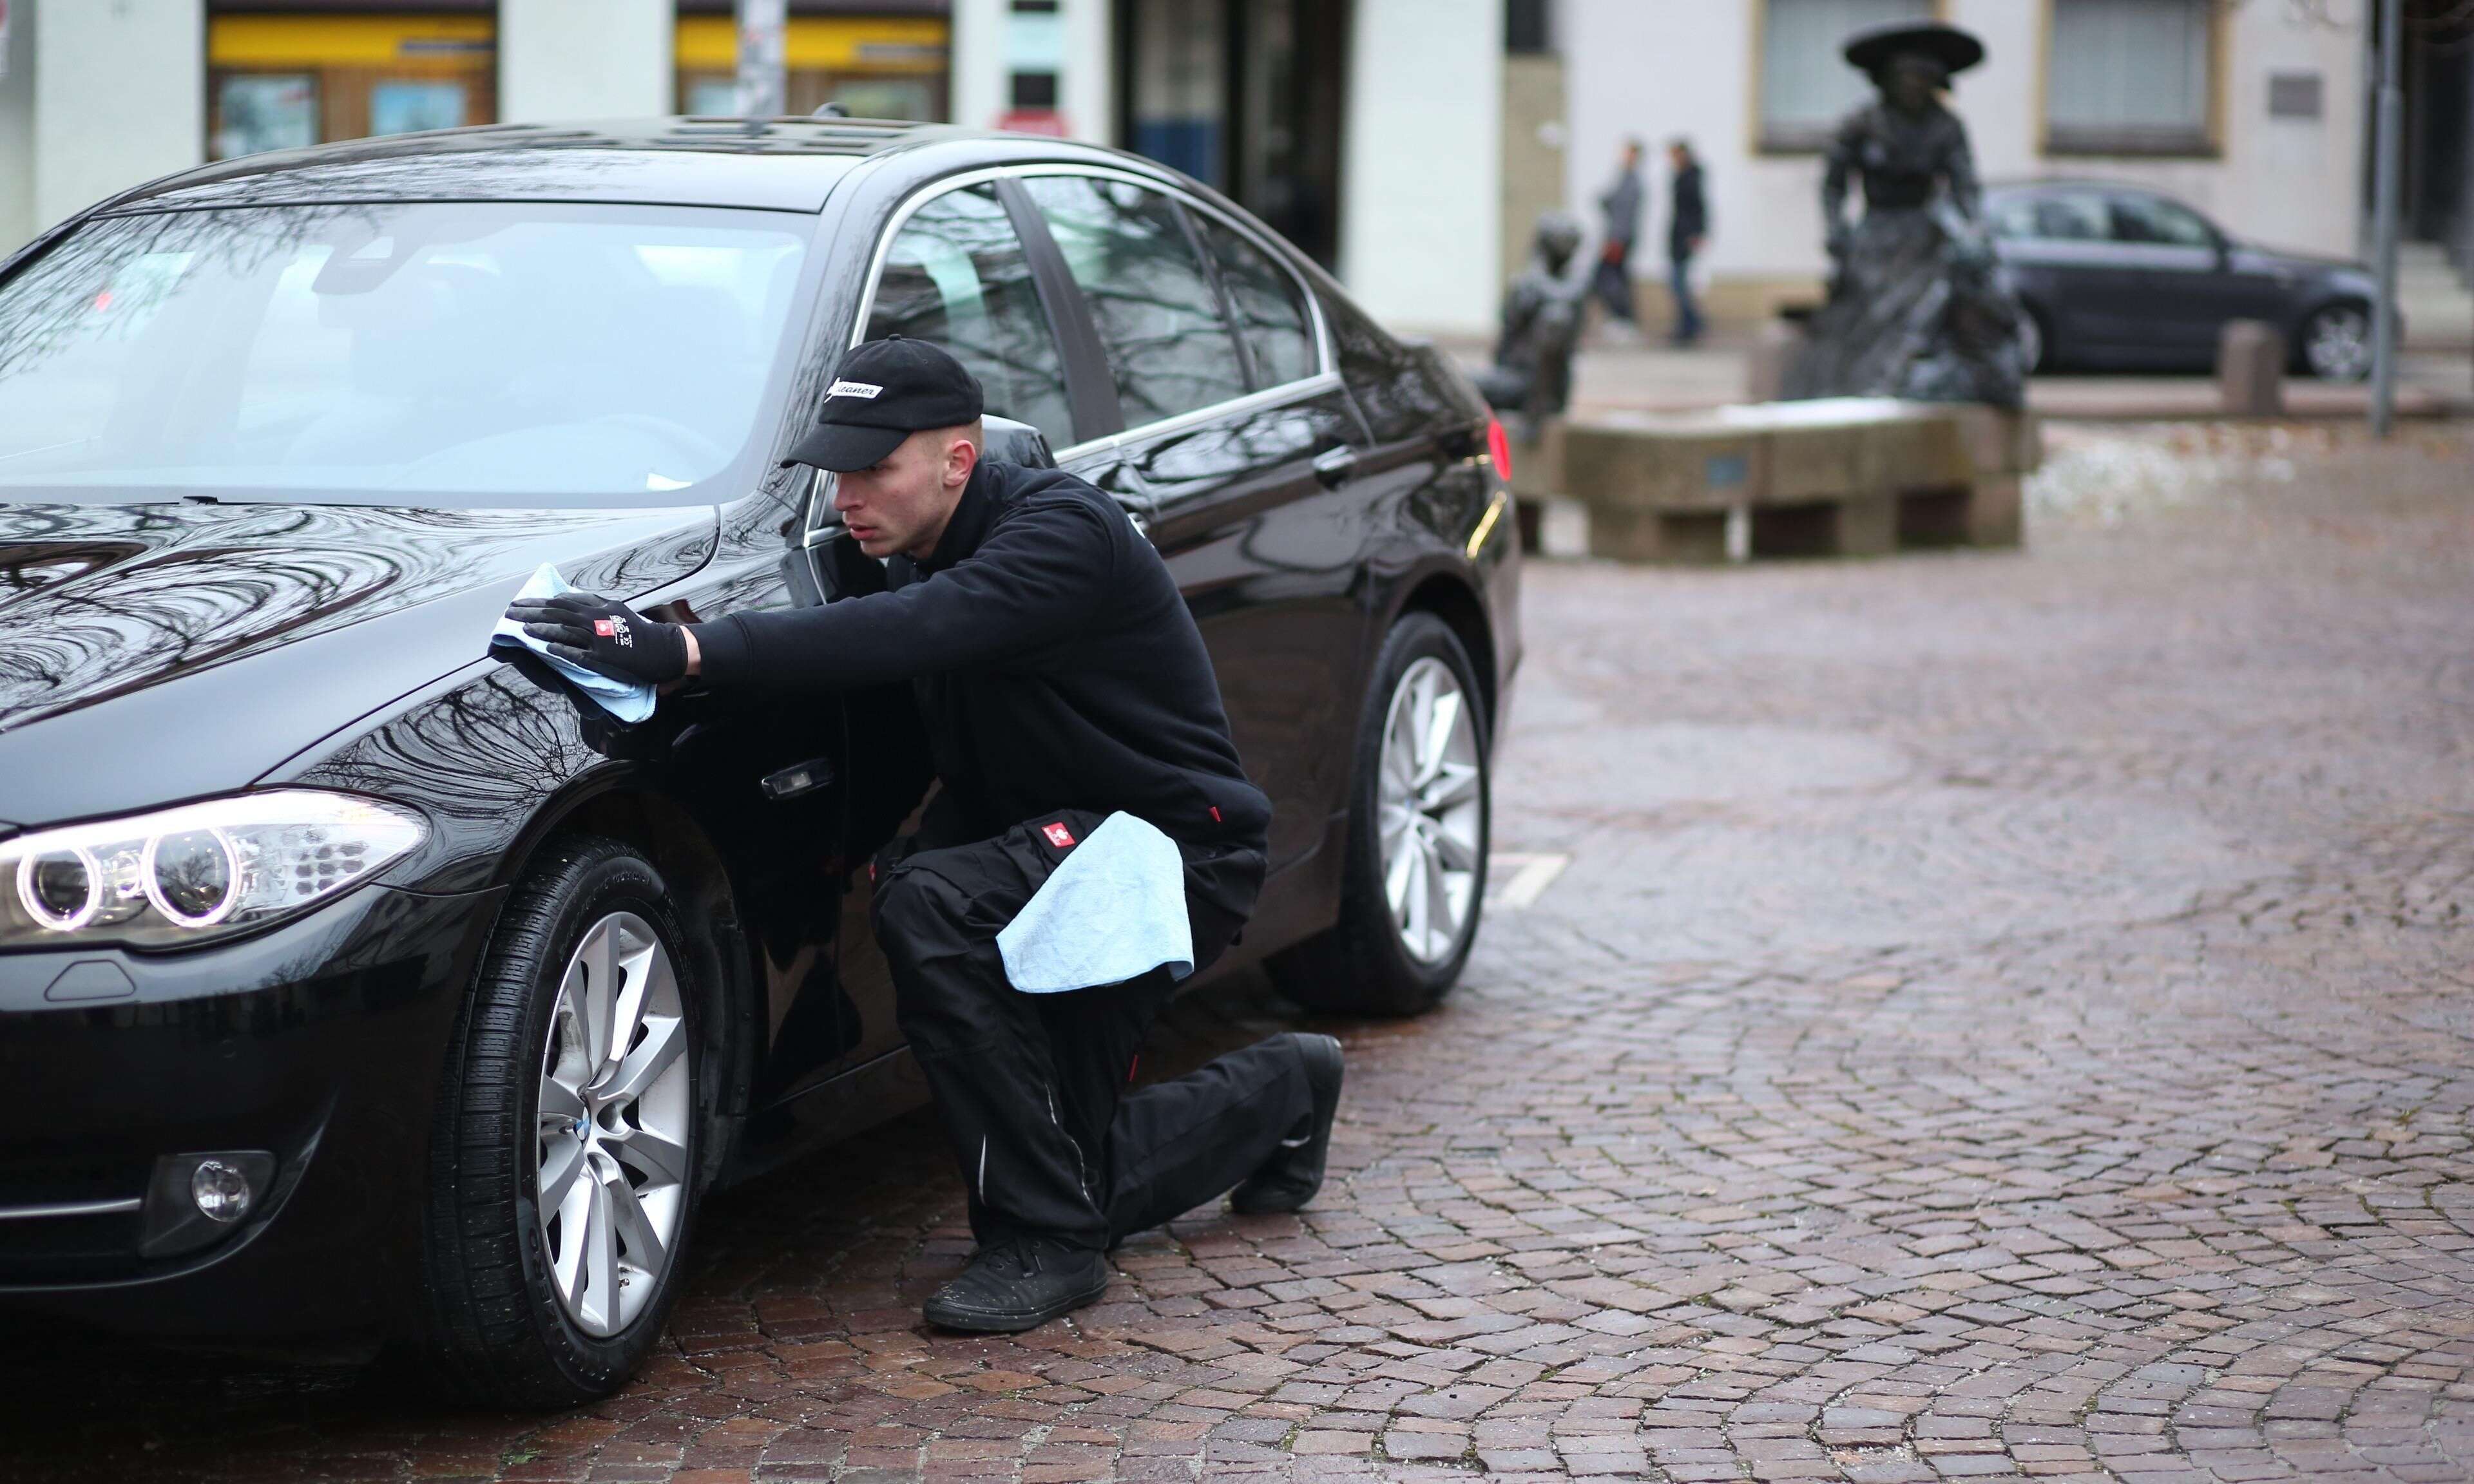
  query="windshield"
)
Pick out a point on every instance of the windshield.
point(461, 354)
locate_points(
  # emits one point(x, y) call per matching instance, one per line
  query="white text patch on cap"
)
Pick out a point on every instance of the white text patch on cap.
point(859, 389)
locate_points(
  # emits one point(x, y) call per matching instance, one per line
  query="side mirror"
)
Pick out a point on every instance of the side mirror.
point(1017, 443)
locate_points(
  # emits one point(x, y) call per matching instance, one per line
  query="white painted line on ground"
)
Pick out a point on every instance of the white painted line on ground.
point(1528, 877)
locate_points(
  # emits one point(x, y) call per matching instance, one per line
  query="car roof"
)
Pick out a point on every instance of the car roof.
point(2075, 184)
point(783, 164)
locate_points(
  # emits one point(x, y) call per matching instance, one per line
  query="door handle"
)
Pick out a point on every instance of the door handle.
point(798, 778)
point(1336, 467)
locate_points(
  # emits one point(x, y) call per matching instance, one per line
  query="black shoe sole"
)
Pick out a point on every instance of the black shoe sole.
point(969, 1322)
point(1278, 1198)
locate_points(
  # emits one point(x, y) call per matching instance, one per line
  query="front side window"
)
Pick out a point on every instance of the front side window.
point(2128, 76)
point(1806, 86)
point(1169, 349)
point(453, 352)
point(1268, 305)
point(957, 275)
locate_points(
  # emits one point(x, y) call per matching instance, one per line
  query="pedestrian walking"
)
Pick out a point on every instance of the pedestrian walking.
point(1688, 226)
point(1620, 205)
point(1071, 711)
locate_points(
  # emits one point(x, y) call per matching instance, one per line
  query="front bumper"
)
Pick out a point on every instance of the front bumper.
point(320, 1042)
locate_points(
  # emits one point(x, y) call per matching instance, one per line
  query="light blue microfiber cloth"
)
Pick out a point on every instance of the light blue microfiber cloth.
point(1114, 910)
point(629, 701)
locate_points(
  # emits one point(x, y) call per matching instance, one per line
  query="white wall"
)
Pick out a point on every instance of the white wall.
point(1420, 154)
point(1087, 92)
point(1656, 68)
point(981, 72)
point(119, 98)
point(18, 130)
point(584, 59)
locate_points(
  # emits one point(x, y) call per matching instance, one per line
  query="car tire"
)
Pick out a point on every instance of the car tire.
point(525, 1312)
point(1379, 960)
point(2337, 342)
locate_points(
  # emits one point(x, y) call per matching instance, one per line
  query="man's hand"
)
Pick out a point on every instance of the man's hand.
point(605, 635)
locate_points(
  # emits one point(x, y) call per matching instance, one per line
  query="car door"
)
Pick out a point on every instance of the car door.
point(2184, 287)
point(1237, 452)
point(2059, 244)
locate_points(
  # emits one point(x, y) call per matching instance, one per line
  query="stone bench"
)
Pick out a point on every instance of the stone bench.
point(1851, 476)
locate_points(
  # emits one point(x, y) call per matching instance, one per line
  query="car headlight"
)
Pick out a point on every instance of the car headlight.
point(196, 873)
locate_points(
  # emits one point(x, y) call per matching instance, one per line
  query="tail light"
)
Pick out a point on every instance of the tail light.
point(1498, 447)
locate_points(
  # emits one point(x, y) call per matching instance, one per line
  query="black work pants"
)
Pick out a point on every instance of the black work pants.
point(1032, 1087)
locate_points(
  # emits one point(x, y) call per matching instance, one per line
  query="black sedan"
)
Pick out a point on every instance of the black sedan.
point(357, 986)
point(2117, 278)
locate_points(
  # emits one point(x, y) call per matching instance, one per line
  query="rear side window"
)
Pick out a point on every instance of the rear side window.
point(957, 275)
point(1169, 349)
point(1269, 307)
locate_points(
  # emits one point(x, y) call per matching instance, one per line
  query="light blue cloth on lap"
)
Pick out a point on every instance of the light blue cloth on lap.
point(629, 701)
point(1113, 910)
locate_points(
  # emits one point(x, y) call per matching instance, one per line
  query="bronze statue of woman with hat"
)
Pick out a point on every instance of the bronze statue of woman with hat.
point(1919, 306)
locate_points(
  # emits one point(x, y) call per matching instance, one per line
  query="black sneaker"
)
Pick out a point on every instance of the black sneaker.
point(1017, 1285)
point(1290, 1178)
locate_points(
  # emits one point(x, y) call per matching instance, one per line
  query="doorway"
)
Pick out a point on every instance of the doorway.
point(1247, 97)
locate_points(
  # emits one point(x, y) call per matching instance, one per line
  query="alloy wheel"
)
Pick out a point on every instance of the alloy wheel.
point(1429, 803)
point(616, 1100)
point(2338, 345)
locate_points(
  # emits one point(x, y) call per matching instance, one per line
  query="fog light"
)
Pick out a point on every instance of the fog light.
point(221, 1193)
point(195, 1200)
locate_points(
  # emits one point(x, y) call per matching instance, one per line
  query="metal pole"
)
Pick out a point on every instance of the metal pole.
point(2389, 143)
point(763, 54)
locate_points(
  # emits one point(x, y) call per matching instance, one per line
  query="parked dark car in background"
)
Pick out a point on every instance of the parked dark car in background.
point(356, 987)
point(2118, 277)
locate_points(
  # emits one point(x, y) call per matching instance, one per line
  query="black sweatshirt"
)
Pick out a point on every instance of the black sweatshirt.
point(1053, 660)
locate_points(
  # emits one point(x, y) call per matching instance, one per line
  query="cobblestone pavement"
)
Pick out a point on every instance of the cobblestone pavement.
point(2005, 1014)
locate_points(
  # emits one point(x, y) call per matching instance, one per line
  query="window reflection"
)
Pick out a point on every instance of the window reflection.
point(956, 276)
point(1169, 349)
point(1269, 307)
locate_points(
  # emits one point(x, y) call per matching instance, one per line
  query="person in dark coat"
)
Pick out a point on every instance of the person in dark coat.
point(1688, 226)
point(1620, 205)
point(1066, 693)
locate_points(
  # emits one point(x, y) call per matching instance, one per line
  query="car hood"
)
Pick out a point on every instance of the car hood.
point(156, 652)
point(2299, 262)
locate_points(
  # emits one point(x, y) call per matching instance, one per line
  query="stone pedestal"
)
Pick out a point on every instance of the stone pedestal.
point(1774, 348)
point(1845, 477)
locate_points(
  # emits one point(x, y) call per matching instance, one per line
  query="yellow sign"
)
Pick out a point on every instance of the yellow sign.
point(824, 43)
point(391, 41)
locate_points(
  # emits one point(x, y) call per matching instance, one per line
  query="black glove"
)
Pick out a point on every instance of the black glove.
point(605, 635)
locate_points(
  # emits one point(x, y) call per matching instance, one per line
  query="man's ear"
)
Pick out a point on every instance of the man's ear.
point(961, 456)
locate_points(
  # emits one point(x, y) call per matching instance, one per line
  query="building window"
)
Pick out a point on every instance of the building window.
point(2131, 77)
point(1806, 87)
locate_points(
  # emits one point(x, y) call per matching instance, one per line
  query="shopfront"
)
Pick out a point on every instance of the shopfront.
point(284, 80)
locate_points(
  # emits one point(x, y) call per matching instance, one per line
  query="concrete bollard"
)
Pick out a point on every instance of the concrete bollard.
point(2250, 369)
point(1774, 348)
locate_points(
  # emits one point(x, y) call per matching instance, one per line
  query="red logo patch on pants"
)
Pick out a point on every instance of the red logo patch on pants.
point(1058, 835)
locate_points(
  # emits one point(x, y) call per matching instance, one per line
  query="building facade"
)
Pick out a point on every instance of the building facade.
point(2256, 113)
point(1367, 131)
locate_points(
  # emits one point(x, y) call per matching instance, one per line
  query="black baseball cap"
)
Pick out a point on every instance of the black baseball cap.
point(883, 392)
